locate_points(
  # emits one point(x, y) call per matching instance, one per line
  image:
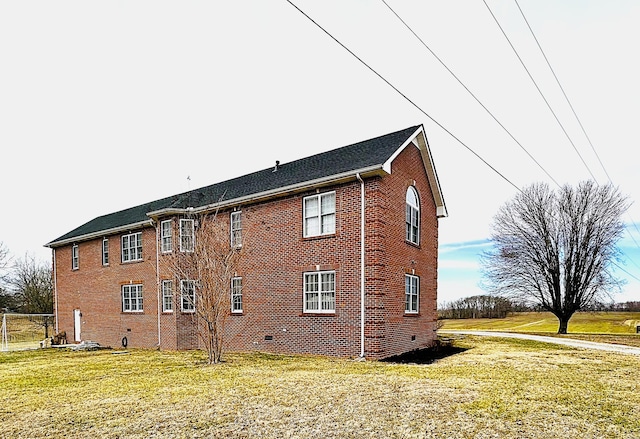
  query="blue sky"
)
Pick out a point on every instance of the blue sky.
point(459, 269)
point(107, 105)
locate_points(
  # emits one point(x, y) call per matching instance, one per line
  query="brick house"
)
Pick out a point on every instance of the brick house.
point(310, 284)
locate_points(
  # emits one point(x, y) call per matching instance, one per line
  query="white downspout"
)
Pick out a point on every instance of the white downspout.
point(362, 277)
point(158, 289)
point(55, 288)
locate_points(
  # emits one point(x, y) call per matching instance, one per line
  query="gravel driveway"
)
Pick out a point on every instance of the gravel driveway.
point(622, 349)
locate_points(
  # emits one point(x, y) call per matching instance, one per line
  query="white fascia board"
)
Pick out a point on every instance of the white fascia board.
point(101, 233)
point(419, 140)
point(299, 187)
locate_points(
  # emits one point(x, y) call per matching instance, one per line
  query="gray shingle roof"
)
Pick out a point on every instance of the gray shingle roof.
point(354, 157)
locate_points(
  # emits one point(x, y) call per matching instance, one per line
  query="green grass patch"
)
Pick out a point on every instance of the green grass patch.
point(491, 388)
point(544, 322)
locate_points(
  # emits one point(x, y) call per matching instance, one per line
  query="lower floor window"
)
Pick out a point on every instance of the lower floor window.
point(411, 293)
point(187, 296)
point(320, 292)
point(236, 294)
point(167, 296)
point(132, 298)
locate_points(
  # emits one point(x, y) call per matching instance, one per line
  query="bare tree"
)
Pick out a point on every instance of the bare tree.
point(5, 261)
point(557, 249)
point(208, 263)
point(32, 288)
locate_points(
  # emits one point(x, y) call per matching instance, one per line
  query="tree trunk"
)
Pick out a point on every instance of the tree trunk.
point(564, 323)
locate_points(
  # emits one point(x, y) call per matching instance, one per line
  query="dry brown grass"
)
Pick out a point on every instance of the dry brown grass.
point(496, 388)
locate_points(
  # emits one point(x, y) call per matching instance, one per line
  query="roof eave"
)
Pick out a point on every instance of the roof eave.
point(427, 160)
point(283, 191)
point(93, 235)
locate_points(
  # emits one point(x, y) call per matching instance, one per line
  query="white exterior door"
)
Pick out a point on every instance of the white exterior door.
point(76, 325)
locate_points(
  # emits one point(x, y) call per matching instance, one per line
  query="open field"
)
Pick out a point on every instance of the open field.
point(494, 388)
point(608, 327)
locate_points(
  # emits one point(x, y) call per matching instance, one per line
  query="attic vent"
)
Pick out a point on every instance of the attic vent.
point(275, 168)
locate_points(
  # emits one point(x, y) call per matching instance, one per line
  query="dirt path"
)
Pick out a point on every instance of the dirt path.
point(622, 349)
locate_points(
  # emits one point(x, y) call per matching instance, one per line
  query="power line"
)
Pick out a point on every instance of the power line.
point(469, 91)
point(563, 92)
point(576, 116)
point(540, 91)
point(402, 94)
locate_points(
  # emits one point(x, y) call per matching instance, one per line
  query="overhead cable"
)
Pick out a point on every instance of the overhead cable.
point(403, 95)
point(470, 92)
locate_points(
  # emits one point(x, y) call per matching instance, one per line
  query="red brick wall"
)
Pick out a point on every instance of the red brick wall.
point(95, 290)
point(401, 257)
point(276, 256)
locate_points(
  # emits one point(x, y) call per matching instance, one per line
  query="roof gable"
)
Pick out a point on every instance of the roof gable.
point(369, 156)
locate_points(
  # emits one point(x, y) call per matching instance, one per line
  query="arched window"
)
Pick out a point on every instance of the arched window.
point(413, 216)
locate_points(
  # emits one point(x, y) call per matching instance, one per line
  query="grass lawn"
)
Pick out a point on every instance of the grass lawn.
point(608, 327)
point(495, 388)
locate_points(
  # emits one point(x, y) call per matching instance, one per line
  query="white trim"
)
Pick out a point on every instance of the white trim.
point(104, 264)
point(162, 237)
point(233, 242)
point(139, 299)
point(417, 293)
point(139, 256)
point(193, 235)
point(100, 233)
point(304, 292)
point(362, 264)
point(162, 295)
point(233, 310)
point(319, 197)
point(182, 308)
point(75, 257)
point(419, 140)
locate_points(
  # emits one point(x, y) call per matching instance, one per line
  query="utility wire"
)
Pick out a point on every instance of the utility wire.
point(469, 91)
point(402, 94)
point(412, 102)
point(563, 92)
point(575, 115)
point(540, 91)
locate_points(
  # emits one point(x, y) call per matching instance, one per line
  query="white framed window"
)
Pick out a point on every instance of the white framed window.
point(105, 251)
point(236, 229)
point(166, 236)
point(319, 214)
point(75, 259)
point(411, 294)
point(132, 298)
point(167, 296)
point(413, 216)
point(187, 235)
point(320, 292)
point(236, 294)
point(188, 296)
point(132, 247)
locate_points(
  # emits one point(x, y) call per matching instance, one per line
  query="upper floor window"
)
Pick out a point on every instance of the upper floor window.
point(320, 292)
point(167, 296)
point(187, 235)
point(132, 247)
point(413, 216)
point(236, 294)
point(132, 298)
point(411, 293)
point(319, 214)
point(166, 236)
point(236, 229)
point(75, 257)
point(188, 296)
point(105, 251)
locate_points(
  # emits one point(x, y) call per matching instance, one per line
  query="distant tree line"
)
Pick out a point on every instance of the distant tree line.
point(476, 307)
point(496, 307)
